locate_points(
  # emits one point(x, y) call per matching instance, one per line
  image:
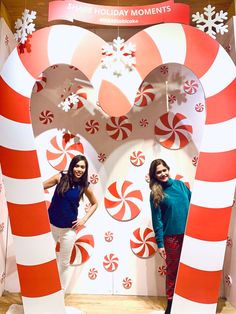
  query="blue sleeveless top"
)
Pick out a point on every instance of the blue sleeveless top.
point(63, 210)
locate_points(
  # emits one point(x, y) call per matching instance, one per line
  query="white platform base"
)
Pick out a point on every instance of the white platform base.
point(18, 309)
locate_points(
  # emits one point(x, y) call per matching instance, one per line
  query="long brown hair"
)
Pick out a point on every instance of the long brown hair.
point(154, 184)
point(68, 179)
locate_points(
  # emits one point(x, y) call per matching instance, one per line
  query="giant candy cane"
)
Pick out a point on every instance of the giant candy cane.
point(199, 273)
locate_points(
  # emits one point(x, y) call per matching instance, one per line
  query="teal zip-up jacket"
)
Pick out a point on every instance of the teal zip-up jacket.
point(169, 218)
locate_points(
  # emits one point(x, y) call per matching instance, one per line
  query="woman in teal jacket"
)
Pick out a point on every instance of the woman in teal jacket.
point(169, 201)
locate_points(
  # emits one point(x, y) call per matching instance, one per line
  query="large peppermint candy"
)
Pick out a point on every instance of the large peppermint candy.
point(143, 242)
point(122, 201)
point(173, 131)
point(145, 95)
point(46, 117)
point(39, 84)
point(92, 126)
point(60, 152)
point(83, 247)
point(111, 262)
point(137, 158)
point(119, 128)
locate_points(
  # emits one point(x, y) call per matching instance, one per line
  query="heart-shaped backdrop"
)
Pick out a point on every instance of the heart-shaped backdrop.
point(203, 249)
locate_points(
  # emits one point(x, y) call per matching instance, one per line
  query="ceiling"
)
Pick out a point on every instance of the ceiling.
point(16, 7)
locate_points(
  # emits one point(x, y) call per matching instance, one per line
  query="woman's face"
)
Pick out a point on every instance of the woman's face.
point(162, 173)
point(79, 169)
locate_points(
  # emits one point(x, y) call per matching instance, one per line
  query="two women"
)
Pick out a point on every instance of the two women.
point(169, 201)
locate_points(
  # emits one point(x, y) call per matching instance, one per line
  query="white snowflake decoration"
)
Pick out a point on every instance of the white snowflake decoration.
point(118, 57)
point(212, 22)
point(24, 26)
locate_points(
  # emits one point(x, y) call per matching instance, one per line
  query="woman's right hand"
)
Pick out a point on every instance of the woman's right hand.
point(162, 252)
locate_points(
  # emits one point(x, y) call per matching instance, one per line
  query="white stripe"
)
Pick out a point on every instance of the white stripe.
point(165, 35)
point(50, 304)
point(220, 74)
point(213, 194)
point(220, 137)
point(203, 255)
point(184, 306)
point(15, 135)
point(34, 250)
point(62, 42)
point(23, 191)
point(16, 76)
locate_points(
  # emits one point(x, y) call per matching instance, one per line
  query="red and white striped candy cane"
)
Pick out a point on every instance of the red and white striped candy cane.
point(35, 250)
point(203, 251)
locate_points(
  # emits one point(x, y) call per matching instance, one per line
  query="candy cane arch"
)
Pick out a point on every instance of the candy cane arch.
point(204, 244)
point(35, 251)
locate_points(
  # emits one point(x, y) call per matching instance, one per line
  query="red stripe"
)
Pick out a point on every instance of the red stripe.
point(221, 107)
point(209, 224)
point(19, 164)
point(198, 285)
point(145, 45)
point(28, 220)
point(201, 50)
point(13, 106)
point(208, 168)
point(37, 61)
point(40, 280)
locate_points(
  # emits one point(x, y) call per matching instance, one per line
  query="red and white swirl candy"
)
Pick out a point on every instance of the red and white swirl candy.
point(119, 128)
point(39, 84)
point(122, 201)
point(164, 69)
point(199, 107)
point(93, 273)
point(92, 126)
point(195, 161)
point(83, 247)
point(102, 157)
point(60, 152)
point(127, 283)
point(137, 158)
point(171, 99)
point(162, 270)
point(111, 262)
point(173, 131)
point(143, 242)
point(46, 117)
point(93, 179)
point(108, 236)
point(190, 87)
point(143, 122)
point(145, 95)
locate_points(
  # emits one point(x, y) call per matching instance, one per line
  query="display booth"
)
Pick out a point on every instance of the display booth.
point(204, 245)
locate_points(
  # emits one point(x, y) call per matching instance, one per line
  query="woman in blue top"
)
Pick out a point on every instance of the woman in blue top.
point(169, 201)
point(63, 210)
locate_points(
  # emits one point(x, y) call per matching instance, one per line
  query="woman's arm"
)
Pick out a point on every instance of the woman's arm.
point(54, 180)
point(94, 204)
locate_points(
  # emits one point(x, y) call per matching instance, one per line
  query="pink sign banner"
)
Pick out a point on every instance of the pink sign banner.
point(163, 12)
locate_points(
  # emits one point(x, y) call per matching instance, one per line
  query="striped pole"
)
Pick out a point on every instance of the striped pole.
point(34, 246)
point(198, 281)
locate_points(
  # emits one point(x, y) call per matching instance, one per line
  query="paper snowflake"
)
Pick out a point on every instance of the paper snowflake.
point(212, 22)
point(24, 26)
point(118, 57)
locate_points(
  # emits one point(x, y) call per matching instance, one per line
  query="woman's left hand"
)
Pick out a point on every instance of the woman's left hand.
point(78, 222)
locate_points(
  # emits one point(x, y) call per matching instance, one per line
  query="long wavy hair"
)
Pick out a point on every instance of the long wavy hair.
point(68, 180)
point(154, 184)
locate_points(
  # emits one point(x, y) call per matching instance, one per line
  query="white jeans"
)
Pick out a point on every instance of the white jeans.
point(66, 237)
